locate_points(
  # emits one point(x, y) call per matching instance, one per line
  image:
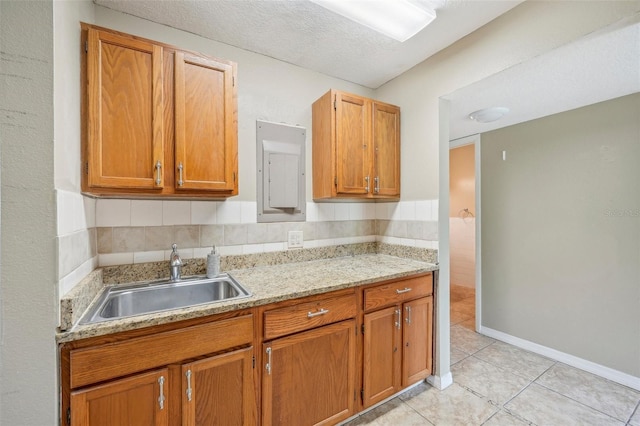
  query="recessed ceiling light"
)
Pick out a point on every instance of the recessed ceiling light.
point(398, 19)
point(487, 115)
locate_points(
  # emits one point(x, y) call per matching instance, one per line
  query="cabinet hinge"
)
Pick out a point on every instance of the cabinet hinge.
point(254, 362)
point(86, 168)
point(233, 81)
point(68, 416)
point(234, 177)
point(362, 328)
point(335, 181)
point(86, 45)
point(362, 395)
point(335, 105)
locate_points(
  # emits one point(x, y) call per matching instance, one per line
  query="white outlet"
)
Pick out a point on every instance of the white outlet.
point(294, 239)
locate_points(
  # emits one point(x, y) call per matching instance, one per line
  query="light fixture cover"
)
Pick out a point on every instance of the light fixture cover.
point(487, 115)
point(398, 19)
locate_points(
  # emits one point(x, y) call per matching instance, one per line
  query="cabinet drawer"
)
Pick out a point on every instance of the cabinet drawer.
point(307, 315)
point(398, 291)
point(93, 365)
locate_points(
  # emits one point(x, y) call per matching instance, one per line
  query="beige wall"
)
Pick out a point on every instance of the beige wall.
point(526, 31)
point(561, 233)
point(462, 225)
point(28, 373)
point(462, 190)
point(44, 155)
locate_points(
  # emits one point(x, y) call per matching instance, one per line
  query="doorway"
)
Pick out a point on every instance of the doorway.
point(463, 217)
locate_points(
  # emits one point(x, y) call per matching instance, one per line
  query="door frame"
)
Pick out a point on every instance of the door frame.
point(476, 141)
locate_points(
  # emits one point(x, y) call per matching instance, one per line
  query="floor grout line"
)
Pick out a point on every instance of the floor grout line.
point(461, 310)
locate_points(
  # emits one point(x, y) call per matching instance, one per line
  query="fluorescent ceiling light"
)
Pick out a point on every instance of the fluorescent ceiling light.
point(488, 115)
point(398, 19)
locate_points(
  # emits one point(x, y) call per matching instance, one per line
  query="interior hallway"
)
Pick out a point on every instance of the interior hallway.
point(499, 384)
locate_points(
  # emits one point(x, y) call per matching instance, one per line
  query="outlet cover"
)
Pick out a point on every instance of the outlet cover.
point(294, 239)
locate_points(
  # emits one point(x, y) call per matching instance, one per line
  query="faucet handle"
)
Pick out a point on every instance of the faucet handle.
point(175, 257)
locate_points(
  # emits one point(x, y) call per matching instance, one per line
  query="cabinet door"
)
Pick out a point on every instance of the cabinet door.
point(417, 340)
point(124, 112)
point(353, 150)
point(205, 124)
point(309, 377)
point(382, 349)
point(386, 141)
point(219, 390)
point(136, 401)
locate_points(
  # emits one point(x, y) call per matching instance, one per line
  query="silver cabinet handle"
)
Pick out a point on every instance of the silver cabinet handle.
point(376, 185)
point(180, 181)
point(366, 188)
point(405, 290)
point(161, 397)
point(408, 309)
point(398, 319)
point(188, 374)
point(158, 173)
point(268, 366)
point(315, 314)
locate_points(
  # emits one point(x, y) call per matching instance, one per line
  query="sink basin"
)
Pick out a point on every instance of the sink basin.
point(138, 299)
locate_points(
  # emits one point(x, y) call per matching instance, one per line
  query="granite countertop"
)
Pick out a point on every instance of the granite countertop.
point(270, 284)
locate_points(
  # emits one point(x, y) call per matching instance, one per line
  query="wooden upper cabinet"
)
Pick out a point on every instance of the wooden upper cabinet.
point(206, 124)
point(125, 101)
point(157, 120)
point(353, 152)
point(386, 145)
point(356, 148)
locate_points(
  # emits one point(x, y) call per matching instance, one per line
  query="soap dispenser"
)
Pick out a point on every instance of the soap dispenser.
point(213, 263)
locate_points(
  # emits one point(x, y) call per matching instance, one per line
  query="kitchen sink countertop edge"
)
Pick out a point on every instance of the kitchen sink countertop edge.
point(270, 284)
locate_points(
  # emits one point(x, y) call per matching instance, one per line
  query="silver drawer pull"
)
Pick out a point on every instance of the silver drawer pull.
point(189, 391)
point(268, 365)
point(180, 180)
point(159, 175)
point(161, 397)
point(315, 314)
point(406, 290)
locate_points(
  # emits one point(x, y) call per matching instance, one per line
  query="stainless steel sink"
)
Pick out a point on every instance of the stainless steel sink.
point(138, 299)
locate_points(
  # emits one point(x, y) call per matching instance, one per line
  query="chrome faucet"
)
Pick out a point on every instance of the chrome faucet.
point(175, 264)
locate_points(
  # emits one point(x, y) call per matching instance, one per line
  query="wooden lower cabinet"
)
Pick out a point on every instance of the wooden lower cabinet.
point(215, 391)
point(324, 358)
point(219, 390)
point(417, 337)
point(381, 355)
point(136, 401)
point(309, 377)
point(398, 348)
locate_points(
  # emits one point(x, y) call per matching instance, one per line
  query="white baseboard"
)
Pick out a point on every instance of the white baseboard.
point(574, 361)
point(441, 382)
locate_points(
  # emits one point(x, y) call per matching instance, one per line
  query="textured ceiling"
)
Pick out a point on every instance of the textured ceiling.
point(302, 33)
point(602, 66)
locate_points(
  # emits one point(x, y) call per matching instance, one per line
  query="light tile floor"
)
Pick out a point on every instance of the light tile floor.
point(496, 384)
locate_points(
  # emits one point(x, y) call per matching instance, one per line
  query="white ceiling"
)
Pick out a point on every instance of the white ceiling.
point(601, 66)
point(302, 33)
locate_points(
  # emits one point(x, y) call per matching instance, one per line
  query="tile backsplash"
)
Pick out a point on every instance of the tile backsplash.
point(116, 232)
